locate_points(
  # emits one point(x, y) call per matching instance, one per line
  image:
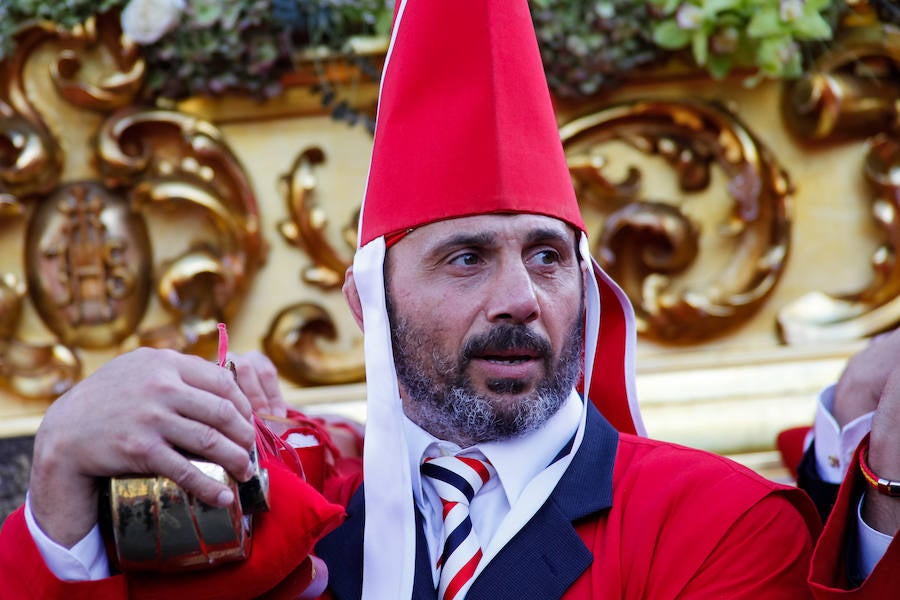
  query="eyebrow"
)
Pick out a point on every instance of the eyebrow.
point(546, 234)
point(462, 240)
point(488, 239)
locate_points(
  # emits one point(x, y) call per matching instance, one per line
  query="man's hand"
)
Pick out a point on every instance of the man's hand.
point(133, 416)
point(258, 378)
point(880, 511)
point(860, 386)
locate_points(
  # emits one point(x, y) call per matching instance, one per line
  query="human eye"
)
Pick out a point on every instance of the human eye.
point(545, 257)
point(465, 259)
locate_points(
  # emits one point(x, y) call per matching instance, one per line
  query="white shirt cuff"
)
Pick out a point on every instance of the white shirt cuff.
point(84, 561)
point(835, 446)
point(872, 544)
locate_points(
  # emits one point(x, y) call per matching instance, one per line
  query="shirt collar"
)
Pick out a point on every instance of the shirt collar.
point(517, 460)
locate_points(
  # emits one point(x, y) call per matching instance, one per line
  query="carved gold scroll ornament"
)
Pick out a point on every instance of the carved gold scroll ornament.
point(647, 243)
point(298, 337)
point(89, 262)
point(853, 92)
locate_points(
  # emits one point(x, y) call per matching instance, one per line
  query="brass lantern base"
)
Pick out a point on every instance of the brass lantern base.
point(157, 526)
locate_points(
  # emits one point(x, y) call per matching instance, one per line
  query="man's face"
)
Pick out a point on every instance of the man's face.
point(487, 316)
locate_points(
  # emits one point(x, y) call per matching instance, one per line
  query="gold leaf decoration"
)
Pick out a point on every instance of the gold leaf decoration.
point(649, 244)
point(171, 161)
point(819, 317)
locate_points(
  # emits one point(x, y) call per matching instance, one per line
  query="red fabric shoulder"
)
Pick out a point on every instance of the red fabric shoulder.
point(688, 523)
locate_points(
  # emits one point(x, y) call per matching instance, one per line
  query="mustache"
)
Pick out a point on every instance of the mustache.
point(504, 337)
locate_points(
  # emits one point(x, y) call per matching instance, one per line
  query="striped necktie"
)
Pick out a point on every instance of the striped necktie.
point(457, 479)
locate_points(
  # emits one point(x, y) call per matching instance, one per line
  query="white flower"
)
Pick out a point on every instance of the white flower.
point(788, 52)
point(689, 17)
point(145, 21)
point(791, 9)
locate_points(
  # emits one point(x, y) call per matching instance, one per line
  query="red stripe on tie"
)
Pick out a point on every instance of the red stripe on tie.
point(477, 466)
point(462, 577)
point(448, 506)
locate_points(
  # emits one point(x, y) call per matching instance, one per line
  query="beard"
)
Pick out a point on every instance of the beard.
point(441, 398)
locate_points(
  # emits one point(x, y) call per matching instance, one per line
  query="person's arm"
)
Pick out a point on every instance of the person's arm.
point(855, 546)
point(841, 567)
point(881, 511)
point(140, 401)
point(843, 417)
point(137, 414)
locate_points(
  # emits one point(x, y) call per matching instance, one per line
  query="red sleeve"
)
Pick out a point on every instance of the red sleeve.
point(828, 575)
point(23, 574)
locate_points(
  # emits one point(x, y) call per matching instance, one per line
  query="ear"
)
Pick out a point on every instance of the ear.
point(351, 295)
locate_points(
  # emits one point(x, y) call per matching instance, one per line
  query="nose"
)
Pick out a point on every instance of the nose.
point(513, 297)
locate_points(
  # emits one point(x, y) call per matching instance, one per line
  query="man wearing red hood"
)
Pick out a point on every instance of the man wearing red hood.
point(487, 473)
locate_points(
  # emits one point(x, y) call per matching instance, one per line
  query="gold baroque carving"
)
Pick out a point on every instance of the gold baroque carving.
point(31, 370)
point(852, 91)
point(818, 317)
point(168, 159)
point(645, 243)
point(295, 336)
point(293, 342)
point(306, 228)
point(89, 264)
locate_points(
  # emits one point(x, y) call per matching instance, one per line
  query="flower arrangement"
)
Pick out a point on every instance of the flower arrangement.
point(765, 34)
point(214, 47)
point(589, 46)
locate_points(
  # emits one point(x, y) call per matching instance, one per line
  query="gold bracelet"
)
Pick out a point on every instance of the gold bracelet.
point(884, 486)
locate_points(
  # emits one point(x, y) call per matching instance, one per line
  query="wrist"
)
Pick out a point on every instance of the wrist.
point(883, 452)
point(63, 502)
point(881, 508)
point(877, 482)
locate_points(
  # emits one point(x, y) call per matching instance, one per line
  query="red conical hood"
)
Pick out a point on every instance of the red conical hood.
point(465, 123)
point(465, 127)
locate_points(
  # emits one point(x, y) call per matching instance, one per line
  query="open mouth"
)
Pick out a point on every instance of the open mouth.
point(510, 359)
point(507, 348)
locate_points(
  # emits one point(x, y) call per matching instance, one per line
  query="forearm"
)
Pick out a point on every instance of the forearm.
point(63, 504)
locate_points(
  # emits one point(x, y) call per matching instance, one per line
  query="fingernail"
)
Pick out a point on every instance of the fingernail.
point(225, 498)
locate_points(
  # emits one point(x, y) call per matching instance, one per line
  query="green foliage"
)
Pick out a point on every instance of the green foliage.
point(68, 13)
point(769, 35)
point(220, 46)
point(246, 46)
point(588, 45)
